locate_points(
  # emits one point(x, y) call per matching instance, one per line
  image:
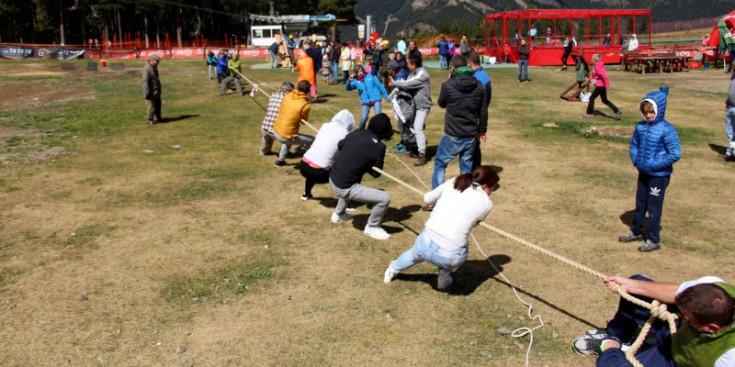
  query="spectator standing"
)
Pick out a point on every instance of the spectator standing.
point(211, 64)
point(346, 59)
point(473, 60)
point(401, 45)
point(523, 51)
point(334, 56)
point(273, 52)
point(568, 47)
point(464, 46)
point(414, 51)
point(730, 119)
point(465, 119)
point(443, 46)
point(305, 67)
point(152, 90)
point(418, 84)
point(654, 149)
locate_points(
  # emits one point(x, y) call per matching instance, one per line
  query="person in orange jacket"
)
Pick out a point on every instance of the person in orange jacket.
point(305, 67)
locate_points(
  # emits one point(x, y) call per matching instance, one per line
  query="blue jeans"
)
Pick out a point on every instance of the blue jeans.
point(425, 250)
point(522, 68)
point(649, 198)
point(366, 112)
point(626, 322)
point(730, 127)
point(334, 65)
point(450, 147)
point(443, 63)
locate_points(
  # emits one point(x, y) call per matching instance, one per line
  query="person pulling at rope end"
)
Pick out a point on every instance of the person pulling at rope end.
point(705, 336)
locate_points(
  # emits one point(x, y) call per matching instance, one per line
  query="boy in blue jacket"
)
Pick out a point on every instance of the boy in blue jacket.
point(653, 149)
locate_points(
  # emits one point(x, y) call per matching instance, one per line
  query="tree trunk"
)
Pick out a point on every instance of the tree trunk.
point(61, 26)
point(178, 28)
point(119, 28)
point(145, 23)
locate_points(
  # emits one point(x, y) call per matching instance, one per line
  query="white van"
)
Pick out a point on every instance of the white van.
point(264, 35)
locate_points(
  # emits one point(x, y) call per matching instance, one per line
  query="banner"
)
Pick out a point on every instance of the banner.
point(20, 52)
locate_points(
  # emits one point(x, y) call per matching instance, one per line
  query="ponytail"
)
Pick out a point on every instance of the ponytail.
point(482, 175)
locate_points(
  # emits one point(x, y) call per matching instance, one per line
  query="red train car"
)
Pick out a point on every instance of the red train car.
point(594, 30)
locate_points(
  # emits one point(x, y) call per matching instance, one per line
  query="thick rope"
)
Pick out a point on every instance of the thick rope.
point(658, 311)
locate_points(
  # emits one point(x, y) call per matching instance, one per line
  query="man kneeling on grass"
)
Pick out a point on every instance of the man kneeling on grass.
point(293, 110)
point(705, 335)
point(359, 152)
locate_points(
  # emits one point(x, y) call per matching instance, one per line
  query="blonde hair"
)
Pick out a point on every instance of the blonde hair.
point(647, 107)
point(596, 58)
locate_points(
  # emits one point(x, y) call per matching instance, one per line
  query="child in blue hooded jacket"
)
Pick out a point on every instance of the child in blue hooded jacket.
point(653, 150)
point(370, 90)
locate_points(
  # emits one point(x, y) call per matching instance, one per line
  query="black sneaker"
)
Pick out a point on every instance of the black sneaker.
point(591, 346)
point(630, 237)
point(649, 246)
point(279, 163)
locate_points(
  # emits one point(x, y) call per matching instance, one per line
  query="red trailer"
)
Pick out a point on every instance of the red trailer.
point(590, 28)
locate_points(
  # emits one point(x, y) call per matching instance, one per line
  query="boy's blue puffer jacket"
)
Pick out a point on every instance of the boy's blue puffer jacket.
point(655, 145)
point(222, 65)
point(370, 89)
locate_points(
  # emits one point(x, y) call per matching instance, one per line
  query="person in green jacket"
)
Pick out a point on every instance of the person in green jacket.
point(705, 335)
point(235, 69)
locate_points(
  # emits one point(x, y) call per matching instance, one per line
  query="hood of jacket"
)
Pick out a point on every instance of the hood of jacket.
point(466, 70)
point(658, 100)
point(464, 83)
point(344, 119)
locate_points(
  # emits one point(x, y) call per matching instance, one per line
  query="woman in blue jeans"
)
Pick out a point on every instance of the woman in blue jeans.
point(459, 205)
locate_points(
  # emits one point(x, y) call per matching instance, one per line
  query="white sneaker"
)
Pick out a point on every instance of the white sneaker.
point(344, 217)
point(376, 232)
point(390, 273)
point(444, 280)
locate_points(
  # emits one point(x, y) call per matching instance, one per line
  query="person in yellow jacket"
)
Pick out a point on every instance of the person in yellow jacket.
point(294, 108)
point(305, 67)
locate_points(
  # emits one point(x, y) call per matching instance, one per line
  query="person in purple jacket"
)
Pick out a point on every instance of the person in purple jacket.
point(653, 150)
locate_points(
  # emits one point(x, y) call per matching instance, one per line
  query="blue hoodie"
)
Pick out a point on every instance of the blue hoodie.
point(222, 65)
point(370, 89)
point(655, 145)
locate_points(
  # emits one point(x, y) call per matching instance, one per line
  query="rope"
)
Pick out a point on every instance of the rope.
point(658, 311)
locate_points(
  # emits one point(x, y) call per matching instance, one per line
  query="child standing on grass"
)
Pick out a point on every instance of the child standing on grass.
point(325, 71)
point(653, 149)
point(370, 90)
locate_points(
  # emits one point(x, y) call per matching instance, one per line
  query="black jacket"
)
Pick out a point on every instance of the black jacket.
point(415, 53)
point(523, 51)
point(359, 152)
point(464, 98)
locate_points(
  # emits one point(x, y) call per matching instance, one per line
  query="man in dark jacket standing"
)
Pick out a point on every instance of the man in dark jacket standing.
point(523, 50)
point(152, 89)
point(465, 120)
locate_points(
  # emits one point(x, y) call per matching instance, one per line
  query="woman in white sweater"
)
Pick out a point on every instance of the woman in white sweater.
point(459, 205)
point(318, 160)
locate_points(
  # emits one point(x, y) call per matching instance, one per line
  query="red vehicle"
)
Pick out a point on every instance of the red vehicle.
point(595, 31)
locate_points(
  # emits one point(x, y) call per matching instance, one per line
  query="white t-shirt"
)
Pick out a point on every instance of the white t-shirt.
point(456, 213)
point(727, 359)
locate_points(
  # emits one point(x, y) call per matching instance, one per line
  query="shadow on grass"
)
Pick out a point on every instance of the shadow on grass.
point(719, 149)
point(177, 118)
point(467, 278)
point(627, 219)
point(392, 214)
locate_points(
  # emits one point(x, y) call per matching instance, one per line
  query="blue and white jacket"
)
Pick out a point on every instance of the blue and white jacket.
point(370, 89)
point(655, 145)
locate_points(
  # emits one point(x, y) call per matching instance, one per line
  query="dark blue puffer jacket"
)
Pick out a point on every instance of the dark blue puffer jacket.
point(655, 145)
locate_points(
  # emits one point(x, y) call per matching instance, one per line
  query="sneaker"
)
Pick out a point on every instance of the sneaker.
point(398, 145)
point(339, 218)
point(401, 150)
point(587, 346)
point(589, 116)
point(599, 334)
point(305, 197)
point(591, 346)
point(279, 163)
point(649, 246)
point(351, 207)
point(376, 232)
point(421, 161)
point(444, 280)
point(619, 114)
point(630, 237)
point(390, 273)
point(150, 122)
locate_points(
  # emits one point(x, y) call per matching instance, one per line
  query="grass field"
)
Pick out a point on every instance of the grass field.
point(124, 244)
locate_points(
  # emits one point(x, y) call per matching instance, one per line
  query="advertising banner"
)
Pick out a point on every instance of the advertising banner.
point(20, 52)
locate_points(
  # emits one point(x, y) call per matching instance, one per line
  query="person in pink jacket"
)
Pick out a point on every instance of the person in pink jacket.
point(602, 85)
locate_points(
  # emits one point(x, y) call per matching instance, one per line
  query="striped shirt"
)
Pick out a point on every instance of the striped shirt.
point(274, 103)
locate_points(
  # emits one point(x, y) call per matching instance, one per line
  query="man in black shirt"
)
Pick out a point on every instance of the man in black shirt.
point(359, 152)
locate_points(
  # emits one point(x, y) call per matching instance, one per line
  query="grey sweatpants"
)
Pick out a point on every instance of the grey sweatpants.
point(226, 83)
point(267, 143)
point(300, 139)
point(363, 194)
